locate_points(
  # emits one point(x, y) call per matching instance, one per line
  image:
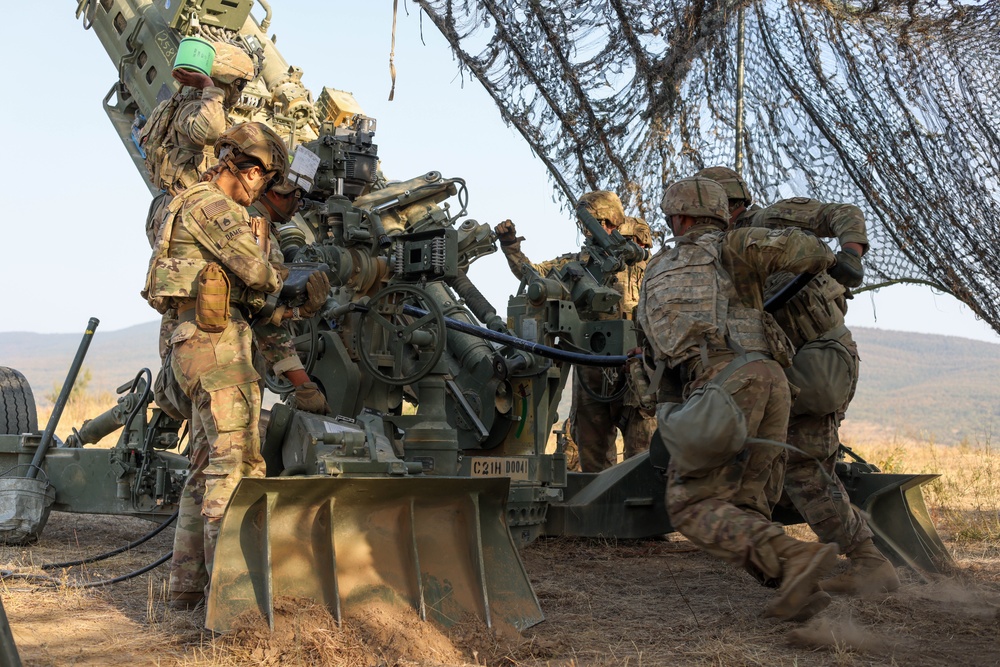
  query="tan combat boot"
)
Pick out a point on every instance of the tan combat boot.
point(803, 564)
point(869, 572)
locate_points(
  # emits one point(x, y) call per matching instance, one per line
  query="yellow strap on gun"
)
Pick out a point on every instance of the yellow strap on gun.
point(437, 545)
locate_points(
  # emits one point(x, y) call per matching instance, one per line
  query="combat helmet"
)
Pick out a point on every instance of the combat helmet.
point(736, 188)
point(605, 206)
point(257, 141)
point(231, 63)
point(698, 198)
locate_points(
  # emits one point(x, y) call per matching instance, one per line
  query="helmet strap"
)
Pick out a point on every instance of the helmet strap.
point(231, 164)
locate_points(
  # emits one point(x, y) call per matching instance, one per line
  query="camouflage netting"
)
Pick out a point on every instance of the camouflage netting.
point(892, 105)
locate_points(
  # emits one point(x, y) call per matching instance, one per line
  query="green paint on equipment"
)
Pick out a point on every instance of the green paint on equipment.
point(524, 416)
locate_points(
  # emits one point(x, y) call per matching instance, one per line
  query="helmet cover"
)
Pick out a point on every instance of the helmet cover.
point(736, 188)
point(258, 141)
point(231, 63)
point(698, 198)
point(605, 206)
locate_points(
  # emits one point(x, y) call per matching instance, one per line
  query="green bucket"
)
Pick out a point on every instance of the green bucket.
point(195, 54)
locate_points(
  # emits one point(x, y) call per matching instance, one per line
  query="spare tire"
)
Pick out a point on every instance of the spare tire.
point(17, 404)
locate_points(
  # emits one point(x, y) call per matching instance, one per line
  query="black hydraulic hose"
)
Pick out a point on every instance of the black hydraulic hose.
point(553, 353)
point(131, 545)
point(125, 577)
point(56, 583)
point(144, 398)
point(577, 358)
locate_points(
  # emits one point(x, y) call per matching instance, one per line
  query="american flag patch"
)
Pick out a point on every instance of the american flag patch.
point(215, 208)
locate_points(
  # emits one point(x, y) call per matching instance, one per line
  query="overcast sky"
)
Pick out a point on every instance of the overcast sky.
point(75, 246)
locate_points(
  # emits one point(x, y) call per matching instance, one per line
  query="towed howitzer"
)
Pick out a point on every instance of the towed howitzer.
point(361, 497)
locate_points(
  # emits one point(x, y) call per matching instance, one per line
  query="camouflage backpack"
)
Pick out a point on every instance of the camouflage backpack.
point(153, 138)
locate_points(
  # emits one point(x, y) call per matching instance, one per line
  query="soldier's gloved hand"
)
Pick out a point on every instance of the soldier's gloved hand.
point(848, 271)
point(506, 232)
point(317, 291)
point(308, 398)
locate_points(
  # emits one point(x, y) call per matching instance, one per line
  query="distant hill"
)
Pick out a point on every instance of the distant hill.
point(113, 359)
point(938, 387)
point(935, 387)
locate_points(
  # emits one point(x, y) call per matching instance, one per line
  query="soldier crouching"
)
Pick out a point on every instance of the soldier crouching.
point(701, 308)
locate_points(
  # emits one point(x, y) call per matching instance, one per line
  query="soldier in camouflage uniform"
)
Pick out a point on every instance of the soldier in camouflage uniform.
point(275, 207)
point(825, 370)
point(179, 135)
point(593, 422)
point(271, 338)
point(702, 309)
point(208, 266)
point(178, 139)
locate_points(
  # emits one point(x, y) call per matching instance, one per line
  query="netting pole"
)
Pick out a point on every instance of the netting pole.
point(739, 90)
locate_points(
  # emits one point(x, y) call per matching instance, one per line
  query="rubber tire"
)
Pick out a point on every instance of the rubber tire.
point(17, 404)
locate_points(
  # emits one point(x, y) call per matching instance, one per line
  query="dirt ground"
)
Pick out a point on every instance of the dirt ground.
point(652, 602)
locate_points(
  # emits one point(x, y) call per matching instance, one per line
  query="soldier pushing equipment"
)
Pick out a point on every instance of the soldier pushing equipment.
point(701, 308)
point(824, 370)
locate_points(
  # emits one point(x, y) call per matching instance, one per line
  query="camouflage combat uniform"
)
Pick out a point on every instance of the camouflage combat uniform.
point(814, 321)
point(701, 300)
point(198, 121)
point(593, 422)
point(195, 119)
point(215, 370)
point(274, 342)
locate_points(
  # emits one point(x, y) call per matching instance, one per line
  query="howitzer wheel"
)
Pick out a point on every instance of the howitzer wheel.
point(17, 404)
point(386, 334)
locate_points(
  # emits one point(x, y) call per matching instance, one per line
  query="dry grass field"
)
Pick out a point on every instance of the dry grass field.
point(623, 603)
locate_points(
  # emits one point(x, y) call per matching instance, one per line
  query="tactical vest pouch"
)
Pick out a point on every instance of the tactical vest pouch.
point(824, 372)
point(174, 277)
point(778, 343)
point(707, 430)
point(169, 277)
point(211, 308)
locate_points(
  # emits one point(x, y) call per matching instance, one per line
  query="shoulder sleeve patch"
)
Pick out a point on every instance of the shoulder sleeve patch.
point(215, 208)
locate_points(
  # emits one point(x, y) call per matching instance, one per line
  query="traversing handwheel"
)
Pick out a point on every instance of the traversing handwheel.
point(397, 348)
